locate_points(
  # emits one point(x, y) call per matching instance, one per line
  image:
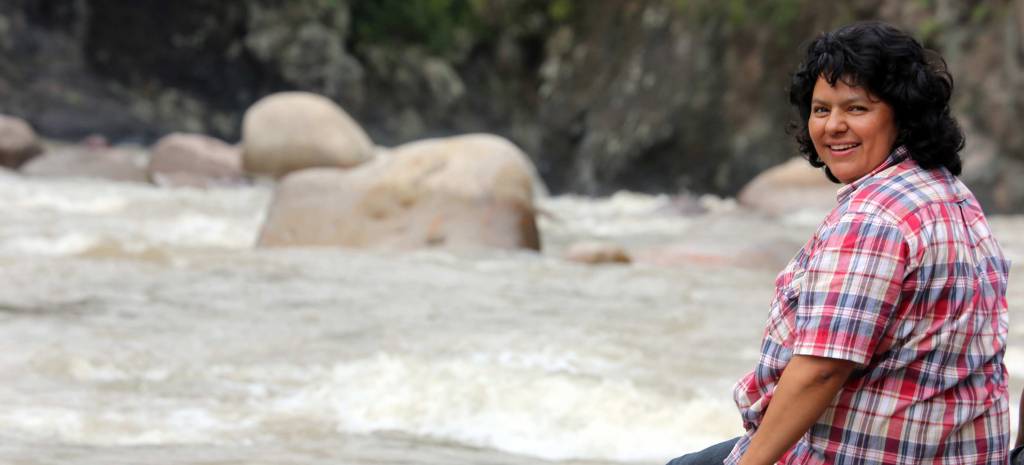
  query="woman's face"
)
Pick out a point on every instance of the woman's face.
point(853, 132)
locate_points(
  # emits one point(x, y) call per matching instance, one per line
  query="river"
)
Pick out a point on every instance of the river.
point(139, 325)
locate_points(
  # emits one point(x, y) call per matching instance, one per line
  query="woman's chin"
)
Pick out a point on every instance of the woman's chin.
point(845, 174)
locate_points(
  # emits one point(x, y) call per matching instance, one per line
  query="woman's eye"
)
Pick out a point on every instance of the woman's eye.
point(819, 110)
point(858, 108)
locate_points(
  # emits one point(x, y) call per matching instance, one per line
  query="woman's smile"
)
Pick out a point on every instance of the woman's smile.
point(839, 150)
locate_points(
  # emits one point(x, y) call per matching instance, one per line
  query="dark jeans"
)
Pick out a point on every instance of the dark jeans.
point(713, 455)
point(717, 453)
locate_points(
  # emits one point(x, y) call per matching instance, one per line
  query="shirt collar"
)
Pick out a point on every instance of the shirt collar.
point(897, 155)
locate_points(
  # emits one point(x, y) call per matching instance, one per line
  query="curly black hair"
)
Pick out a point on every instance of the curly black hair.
point(894, 67)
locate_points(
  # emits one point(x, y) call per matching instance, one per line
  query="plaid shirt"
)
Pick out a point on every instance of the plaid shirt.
point(905, 279)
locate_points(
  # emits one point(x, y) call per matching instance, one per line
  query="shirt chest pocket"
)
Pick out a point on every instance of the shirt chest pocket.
point(782, 314)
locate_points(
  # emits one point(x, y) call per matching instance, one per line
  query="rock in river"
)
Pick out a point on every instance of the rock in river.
point(18, 142)
point(597, 252)
point(194, 160)
point(80, 161)
point(465, 191)
point(290, 131)
point(789, 187)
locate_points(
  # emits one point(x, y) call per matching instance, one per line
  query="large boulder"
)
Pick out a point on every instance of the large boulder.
point(465, 191)
point(82, 161)
point(18, 142)
point(194, 160)
point(789, 187)
point(289, 131)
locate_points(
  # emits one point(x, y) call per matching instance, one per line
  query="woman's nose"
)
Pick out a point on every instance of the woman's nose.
point(836, 123)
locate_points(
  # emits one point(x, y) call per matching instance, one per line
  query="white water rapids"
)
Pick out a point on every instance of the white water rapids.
point(138, 325)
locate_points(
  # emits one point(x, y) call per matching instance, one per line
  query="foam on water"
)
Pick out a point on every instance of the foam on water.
point(61, 196)
point(546, 414)
point(523, 405)
point(71, 217)
point(149, 426)
point(85, 369)
point(622, 214)
point(193, 229)
point(58, 244)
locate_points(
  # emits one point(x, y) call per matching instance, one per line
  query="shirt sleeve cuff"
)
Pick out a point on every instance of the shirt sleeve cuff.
point(851, 355)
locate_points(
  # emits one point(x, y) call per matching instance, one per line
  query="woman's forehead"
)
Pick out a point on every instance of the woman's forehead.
point(841, 90)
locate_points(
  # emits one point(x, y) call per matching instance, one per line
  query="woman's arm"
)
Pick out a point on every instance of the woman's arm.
point(806, 388)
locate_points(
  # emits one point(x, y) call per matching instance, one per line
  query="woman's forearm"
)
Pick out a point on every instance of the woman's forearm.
point(806, 388)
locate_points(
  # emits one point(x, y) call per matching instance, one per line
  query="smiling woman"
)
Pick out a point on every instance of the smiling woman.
point(852, 130)
point(886, 336)
point(887, 68)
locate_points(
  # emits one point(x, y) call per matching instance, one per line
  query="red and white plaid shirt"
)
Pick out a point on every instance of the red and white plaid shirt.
point(905, 279)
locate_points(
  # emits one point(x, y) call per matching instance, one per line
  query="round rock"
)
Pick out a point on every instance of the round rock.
point(194, 160)
point(289, 131)
point(18, 142)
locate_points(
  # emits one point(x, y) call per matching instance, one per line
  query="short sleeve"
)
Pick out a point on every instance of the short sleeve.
point(851, 287)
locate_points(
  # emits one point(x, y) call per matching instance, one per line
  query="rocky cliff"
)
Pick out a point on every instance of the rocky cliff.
point(656, 96)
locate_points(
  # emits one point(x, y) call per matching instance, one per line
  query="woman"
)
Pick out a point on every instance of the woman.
point(885, 339)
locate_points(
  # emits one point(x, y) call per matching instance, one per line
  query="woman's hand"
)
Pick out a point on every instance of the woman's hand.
point(806, 388)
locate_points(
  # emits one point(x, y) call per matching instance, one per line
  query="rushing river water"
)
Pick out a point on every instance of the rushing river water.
point(138, 325)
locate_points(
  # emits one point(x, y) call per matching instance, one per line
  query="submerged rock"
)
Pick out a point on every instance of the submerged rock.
point(290, 131)
point(112, 163)
point(18, 142)
point(466, 191)
point(770, 254)
point(194, 160)
point(597, 252)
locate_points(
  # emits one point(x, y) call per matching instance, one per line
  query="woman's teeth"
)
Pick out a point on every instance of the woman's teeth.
point(840, 148)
